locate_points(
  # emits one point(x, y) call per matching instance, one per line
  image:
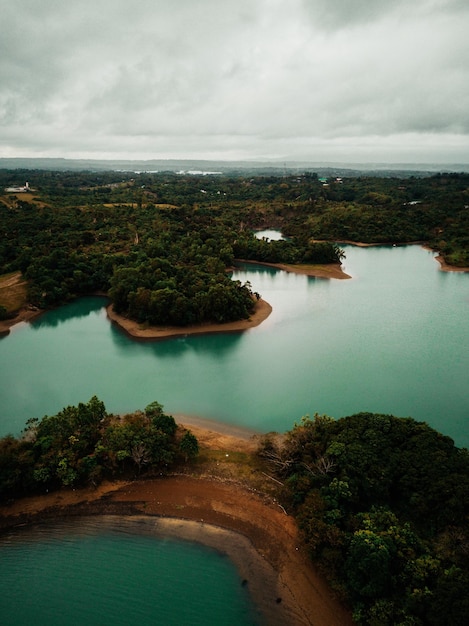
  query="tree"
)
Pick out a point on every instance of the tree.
point(82, 444)
point(140, 454)
point(161, 421)
point(189, 445)
point(368, 565)
point(382, 503)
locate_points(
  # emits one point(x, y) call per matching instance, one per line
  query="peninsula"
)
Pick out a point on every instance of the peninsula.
point(214, 502)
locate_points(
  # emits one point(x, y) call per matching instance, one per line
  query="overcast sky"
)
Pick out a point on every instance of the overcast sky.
point(316, 80)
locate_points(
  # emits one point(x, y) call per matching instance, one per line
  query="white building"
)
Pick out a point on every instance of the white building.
point(24, 189)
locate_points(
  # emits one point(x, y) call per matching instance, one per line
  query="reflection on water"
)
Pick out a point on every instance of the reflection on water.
point(79, 308)
point(220, 346)
point(390, 340)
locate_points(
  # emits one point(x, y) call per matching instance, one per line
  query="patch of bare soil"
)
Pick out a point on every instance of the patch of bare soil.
point(326, 270)
point(332, 270)
point(13, 296)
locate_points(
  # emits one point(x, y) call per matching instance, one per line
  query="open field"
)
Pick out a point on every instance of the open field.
point(13, 291)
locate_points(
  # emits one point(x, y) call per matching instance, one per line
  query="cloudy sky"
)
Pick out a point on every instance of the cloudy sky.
point(317, 80)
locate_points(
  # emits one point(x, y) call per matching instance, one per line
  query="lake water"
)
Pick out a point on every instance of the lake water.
point(393, 339)
point(117, 571)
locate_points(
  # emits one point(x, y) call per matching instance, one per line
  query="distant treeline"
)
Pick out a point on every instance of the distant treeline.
point(160, 244)
point(383, 504)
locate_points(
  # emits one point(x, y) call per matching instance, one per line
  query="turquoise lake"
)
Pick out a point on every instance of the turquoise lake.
point(392, 339)
point(100, 572)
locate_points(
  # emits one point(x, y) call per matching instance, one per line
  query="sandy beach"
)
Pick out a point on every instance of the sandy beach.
point(241, 521)
point(327, 270)
point(142, 331)
point(449, 268)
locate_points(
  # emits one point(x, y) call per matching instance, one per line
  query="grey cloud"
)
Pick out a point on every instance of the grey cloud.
point(338, 14)
point(335, 14)
point(153, 78)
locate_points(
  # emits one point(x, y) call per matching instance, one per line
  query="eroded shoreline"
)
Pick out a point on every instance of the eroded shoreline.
point(261, 312)
point(246, 524)
point(144, 332)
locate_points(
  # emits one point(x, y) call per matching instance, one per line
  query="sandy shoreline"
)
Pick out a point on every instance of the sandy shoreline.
point(140, 331)
point(209, 431)
point(24, 315)
point(260, 538)
point(242, 522)
point(262, 311)
point(444, 267)
point(326, 270)
point(143, 332)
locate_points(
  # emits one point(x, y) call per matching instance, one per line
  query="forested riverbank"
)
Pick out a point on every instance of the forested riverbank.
point(160, 244)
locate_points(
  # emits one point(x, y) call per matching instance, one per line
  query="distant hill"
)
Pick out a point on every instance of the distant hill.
point(273, 168)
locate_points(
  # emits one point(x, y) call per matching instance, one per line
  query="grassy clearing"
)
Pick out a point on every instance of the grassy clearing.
point(11, 199)
point(232, 466)
point(13, 291)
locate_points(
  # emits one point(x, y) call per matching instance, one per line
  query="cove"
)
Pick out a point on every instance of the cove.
point(393, 339)
point(117, 571)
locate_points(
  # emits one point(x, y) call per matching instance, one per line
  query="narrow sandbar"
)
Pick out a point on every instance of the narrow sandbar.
point(332, 270)
point(326, 270)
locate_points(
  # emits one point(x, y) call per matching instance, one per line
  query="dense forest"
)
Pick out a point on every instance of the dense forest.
point(160, 244)
point(84, 444)
point(383, 504)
